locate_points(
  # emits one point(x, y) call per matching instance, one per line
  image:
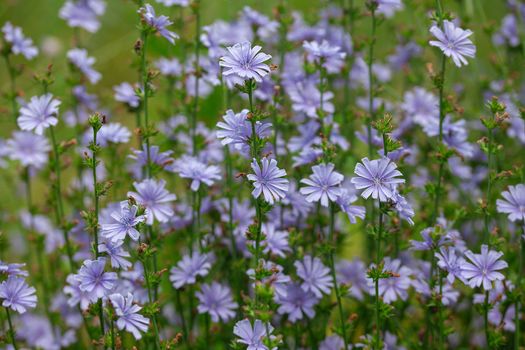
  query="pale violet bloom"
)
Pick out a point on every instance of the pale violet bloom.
point(155, 198)
point(388, 7)
point(323, 185)
point(236, 130)
point(268, 180)
point(315, 275)
point(377, 178)
point(128, 316)
point(483, 268)
point(450, 262)
point(83, 13)
point(297, 302)
point(125, 93)
point(253, 336)
point(216, 300)
point(189, 268)
point(513, 203)
point(454, 42)
point(245, 62)
point(169, 67)
point(345, 200)
point(395, 287)
point(94, 280)
point(181, 3)
point(19, 44)
point(275, 241)
point(197, 171)
point(40, 113)
point(306, 98)
point(116, 253)
point(80, 59)
point(123, 224)
point(17, 295)
point(329, 56)
point(29, 149)
point(159, 23)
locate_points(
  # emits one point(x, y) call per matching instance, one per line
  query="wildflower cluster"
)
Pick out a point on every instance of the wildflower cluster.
point(350, 178)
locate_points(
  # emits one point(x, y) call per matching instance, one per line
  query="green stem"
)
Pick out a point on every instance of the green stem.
point(180, 310)
point(441, 119)
point(486, 220)
point(334, 276)
point(95, 191)
point(12, 85)
point(486, 319)
point(151, 301)
point(59, 209)
point(11, 329)
point(145, 83)
point(378, 262)
point(517, 320)
point(371, 112)
point(197, 76)
point(113, 344)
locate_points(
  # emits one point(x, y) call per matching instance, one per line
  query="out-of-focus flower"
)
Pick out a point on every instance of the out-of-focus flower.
point(80, 59)
point(169, 67)
point(513, 203)
point(316, 277)
point(297, 302)
point(189, 268)
point(83, 13)
point(275, 241)
point(40, 113)
point(125, 93)
point(395, 287)
point(159, 23)
point(29, 149)
point(216, 300)
point(18, 42)
point(192, 168)
point(329, 56)
point(345, 200)
point(116, 253)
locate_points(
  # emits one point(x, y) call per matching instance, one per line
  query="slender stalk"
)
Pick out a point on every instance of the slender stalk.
point(486, 232)
point(113, 345)
point(11, 329)
point(371, 112)
point(12, 86)
point(151, 300)
point(376, 286)
point(334, 276)
point(517, 320)
point(197, 76)
point(180, 311)
point(145, 82)
point(95, 192)
point(486, 319)
point(59, 209)
point(229, 186)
